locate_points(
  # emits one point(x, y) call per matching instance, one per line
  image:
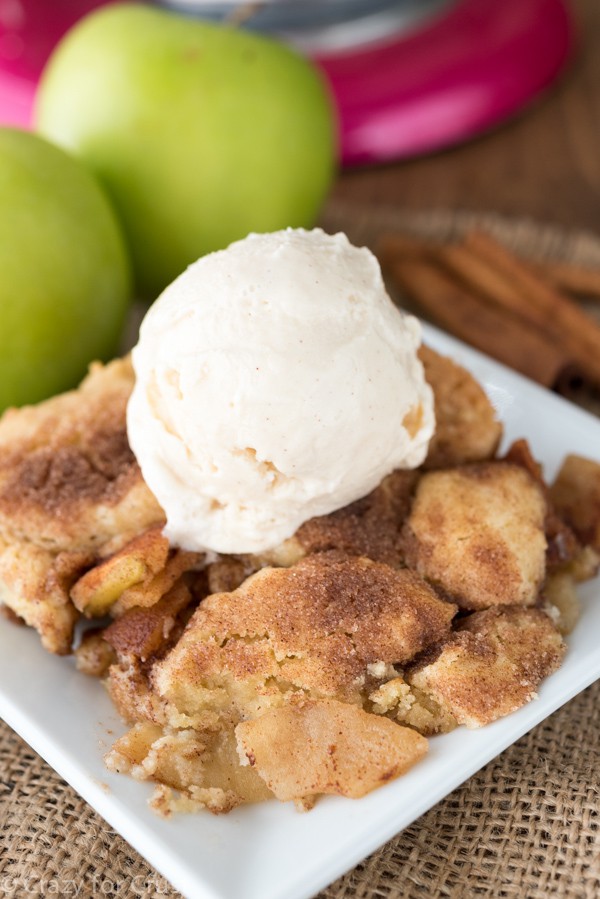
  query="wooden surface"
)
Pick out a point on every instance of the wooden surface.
point(546, 163)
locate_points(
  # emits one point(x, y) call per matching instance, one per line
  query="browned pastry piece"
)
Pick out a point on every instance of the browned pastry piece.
point(330, 625)
point(314, 628)
point(143, 633)
point(94, 655)
point(226, 573)
point(369, 527)
point(138, 639)
point(492, 665)
point(563, 546)
point(477, 532)
point(576, 495)
point(68, 479)
point(129, 688)
point(467, 429)
point(35, 584)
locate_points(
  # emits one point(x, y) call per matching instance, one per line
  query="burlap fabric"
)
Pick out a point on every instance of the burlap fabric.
point(526, 826)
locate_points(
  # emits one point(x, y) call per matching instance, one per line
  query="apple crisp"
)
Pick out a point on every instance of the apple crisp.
point(441, 599)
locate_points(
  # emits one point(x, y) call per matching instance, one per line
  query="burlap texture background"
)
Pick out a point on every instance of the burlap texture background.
point(526, 826)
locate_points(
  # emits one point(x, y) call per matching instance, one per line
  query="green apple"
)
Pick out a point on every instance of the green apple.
point(199, 132)
point(64, 272)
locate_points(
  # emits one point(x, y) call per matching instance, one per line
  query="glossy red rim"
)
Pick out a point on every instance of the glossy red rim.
point(465, 72)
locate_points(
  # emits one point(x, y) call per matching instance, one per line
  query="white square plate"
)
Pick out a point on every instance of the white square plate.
point(269, 851)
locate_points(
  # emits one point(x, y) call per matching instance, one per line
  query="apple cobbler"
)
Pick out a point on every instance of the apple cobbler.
point(323, 666)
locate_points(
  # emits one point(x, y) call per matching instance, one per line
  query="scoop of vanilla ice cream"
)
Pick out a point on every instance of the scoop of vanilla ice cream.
point(275, 381)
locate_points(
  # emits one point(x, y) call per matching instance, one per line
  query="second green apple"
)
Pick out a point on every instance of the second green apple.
point(199, 132)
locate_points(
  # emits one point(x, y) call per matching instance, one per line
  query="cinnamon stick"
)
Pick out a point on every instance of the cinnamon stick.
point(489, 328)
point(477, 274)
point(571, 278)
point(566, 277)
point(554, 314)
